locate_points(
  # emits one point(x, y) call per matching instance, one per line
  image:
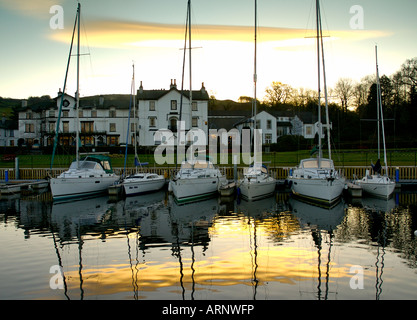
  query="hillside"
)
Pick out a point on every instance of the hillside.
point(7, 105)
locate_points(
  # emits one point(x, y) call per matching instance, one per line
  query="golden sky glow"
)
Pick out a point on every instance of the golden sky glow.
point(151, 34)
point(118, 33)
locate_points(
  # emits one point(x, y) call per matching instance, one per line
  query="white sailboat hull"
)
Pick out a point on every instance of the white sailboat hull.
point(135, 186)
point(318, 190)
point(253, 190)
point(195, 188)
point(74, 187)
point(376, 185)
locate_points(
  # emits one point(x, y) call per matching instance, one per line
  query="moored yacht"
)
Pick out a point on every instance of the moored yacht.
point(257, 183)
point(317, 180)
point(195, 180)
point(142, 183)
point(90, 175)
point(377, 184)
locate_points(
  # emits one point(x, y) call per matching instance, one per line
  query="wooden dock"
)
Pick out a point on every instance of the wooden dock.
point(17, 186)
point(405, 176)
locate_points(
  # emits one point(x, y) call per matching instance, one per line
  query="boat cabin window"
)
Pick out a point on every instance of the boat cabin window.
point(86, 165)
point(106, 164)
point(314, 164)
point(186, 165)
point(200, 165)
point(197, 165)
point(326, 164)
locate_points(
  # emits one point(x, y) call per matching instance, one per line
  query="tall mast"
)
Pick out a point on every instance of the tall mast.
point(77, 94)
point(378, 101)
point(255, 79)
point(380, 112)
point(189, 57)
point(135, 123)
point(325, 90)
point(63, 92)
point(318, 77)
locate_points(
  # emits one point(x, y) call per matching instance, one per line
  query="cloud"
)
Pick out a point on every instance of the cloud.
point(107, 33)
point(38, 8)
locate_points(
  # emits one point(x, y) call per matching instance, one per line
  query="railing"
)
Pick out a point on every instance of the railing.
point(279, 173)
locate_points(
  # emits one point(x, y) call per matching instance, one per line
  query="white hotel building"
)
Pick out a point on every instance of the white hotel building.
point(104, 120)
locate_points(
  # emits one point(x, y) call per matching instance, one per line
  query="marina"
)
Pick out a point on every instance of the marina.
point(151, 247)
point(176, 194)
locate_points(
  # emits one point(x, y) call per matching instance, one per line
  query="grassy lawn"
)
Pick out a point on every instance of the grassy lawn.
point(404, 157)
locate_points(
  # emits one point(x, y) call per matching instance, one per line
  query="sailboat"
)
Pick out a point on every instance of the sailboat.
point(197, 178)
point(256, 182)
point(377, 184)
point(140, 182)
point(316, 179)
point(90, 174)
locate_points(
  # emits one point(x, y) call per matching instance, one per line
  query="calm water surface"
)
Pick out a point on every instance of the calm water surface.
point(148, 247)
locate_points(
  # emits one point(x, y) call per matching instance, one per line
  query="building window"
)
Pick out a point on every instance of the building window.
point(80, 113)
point(87, 126)
point(87, 140)
point(93, 113)
point(113, 140)
point(173, 124)
point(268, 138)
point(112, 114)
point(173, 104)
point(65, 126)
point(65, 113)
point(29, 115)
point(195, 122)
point(29, 128)
point(52, 127)
point(51, 113)
point(152, 121)
point(269, 124)
point(194, 106)
point(112, 127)
point(151, 105)
point(309, 130)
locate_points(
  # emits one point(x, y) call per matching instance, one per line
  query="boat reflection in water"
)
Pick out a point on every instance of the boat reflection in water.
point(321, 223)
point(151, 247)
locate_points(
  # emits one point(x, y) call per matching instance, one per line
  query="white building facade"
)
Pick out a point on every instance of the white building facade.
point(113, 120)
point(275, 126)
point(160, 110)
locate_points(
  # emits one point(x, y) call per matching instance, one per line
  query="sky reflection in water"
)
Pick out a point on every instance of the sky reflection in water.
point(148, 247)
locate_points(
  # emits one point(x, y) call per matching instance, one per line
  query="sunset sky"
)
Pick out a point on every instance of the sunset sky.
point(114, 34)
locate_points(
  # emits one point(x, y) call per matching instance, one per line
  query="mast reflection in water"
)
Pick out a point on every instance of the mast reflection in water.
point(149, 247)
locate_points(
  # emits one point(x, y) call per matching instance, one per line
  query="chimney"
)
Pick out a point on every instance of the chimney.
point(24, 103)
point(203, 88)
point(141, 88)
point(173, 84)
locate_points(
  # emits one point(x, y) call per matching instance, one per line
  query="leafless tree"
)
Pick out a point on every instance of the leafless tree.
point(344, 90)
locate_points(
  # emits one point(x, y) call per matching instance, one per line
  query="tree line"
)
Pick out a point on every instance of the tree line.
point(352, 107)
